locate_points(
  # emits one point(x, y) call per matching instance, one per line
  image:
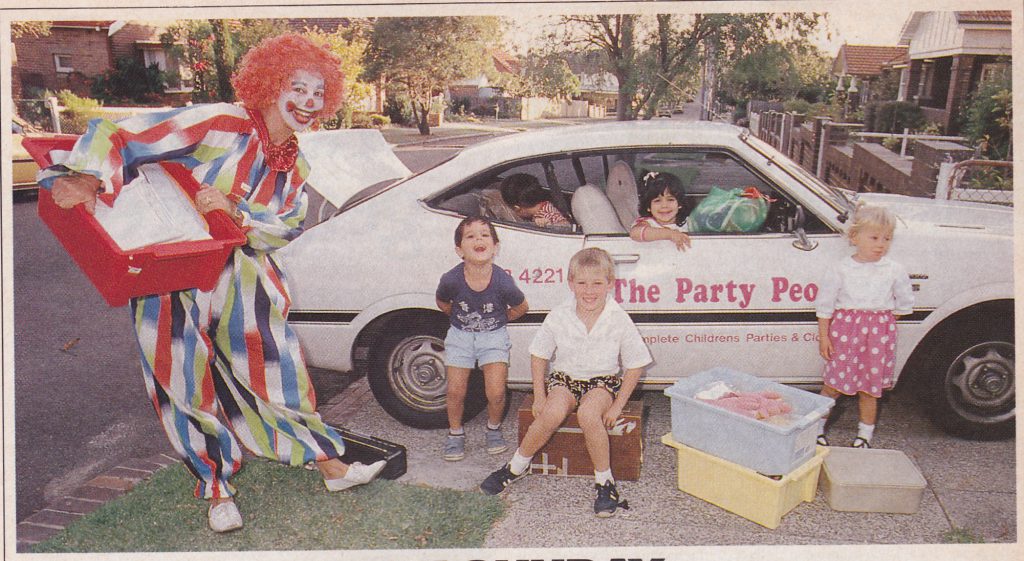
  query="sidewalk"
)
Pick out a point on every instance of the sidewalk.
point(662, 515)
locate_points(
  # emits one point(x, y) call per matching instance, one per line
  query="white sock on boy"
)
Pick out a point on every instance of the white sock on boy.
point(519, 463)
point(865, 431)
point(602, 477)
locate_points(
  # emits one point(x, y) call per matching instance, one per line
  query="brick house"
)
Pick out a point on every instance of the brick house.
point(76, 52)
point(950, 53)
point(858, 67)
point(66, 59)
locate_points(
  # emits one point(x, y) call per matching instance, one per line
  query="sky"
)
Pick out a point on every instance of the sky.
point(865, 22)
point(861, 23)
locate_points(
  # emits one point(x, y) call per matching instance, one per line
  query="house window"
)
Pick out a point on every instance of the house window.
point(994, 71)
point(155, 56)
point(63, 64)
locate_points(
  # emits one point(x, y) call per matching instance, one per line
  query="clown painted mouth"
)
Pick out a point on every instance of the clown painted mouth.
point(301, 115)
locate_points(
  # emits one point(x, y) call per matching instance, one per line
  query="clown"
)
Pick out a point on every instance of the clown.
point(229, 351)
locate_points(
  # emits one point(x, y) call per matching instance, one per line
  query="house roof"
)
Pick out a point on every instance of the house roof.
point(988, 16)
point(505, 63)
point(866, 60)
point(102, 24)
point(968, 17)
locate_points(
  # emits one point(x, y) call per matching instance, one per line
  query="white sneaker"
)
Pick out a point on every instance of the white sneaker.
point(224, 517)
point(357, 474)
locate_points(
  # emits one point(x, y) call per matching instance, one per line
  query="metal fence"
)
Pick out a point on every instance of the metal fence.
point(981, 181)
point(37, 112)
point(48, 116)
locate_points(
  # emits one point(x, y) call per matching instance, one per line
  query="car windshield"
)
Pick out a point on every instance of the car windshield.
point(840, 199)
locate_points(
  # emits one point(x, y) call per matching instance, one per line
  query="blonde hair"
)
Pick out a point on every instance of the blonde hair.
point(871, 216)
point(592, 258)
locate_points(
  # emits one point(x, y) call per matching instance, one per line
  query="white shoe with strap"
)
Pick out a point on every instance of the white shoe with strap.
point(357, 474)
point(224, 517)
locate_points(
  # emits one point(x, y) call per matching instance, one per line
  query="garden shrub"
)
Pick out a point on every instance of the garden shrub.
point(78, 111)
point(988, 118)
point(893, 117)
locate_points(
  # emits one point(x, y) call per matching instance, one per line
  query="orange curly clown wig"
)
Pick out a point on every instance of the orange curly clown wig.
point(266, 69)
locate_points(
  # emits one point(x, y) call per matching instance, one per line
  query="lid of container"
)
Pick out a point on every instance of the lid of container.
point(872, 467)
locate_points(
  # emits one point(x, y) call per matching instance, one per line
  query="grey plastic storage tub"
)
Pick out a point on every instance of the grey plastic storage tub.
point(872, 480)
point(764, 447)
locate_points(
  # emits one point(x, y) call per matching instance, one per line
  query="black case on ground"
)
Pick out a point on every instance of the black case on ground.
point(367, 449)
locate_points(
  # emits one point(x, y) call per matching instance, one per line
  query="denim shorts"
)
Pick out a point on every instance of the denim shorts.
point(466, 349)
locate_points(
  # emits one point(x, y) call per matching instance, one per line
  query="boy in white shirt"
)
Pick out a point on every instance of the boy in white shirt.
point(587, 336)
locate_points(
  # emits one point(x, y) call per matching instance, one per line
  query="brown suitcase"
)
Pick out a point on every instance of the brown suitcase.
point(566, 452)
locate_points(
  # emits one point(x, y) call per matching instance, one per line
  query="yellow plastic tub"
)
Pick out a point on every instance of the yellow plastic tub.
point(743, 491)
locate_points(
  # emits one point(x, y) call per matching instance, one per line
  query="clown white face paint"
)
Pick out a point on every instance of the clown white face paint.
point(302, 100)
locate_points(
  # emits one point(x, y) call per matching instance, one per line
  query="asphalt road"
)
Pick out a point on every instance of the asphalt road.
point(80, 403)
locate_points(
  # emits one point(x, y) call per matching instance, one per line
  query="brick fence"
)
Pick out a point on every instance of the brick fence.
point(858, 166)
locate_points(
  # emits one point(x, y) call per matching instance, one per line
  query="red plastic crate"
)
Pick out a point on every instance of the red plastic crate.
point(120, 275)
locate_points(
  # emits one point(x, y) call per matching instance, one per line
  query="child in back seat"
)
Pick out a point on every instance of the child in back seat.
point(530, 201)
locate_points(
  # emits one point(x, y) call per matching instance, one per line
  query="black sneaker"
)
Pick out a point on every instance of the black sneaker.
point(500, 480)
point(607, 500)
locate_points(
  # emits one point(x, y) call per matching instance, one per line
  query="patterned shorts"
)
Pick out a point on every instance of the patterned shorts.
point(579, 387)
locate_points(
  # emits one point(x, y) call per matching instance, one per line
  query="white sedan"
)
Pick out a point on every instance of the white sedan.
point(363, 280)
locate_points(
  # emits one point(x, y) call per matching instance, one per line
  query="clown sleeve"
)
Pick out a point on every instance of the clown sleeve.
point(113, 152)
point(268, 229)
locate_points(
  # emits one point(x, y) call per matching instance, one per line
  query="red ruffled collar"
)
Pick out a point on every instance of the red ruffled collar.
point(280, 157)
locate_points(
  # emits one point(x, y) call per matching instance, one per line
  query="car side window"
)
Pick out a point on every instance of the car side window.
point(618, 176)
point(700, 172)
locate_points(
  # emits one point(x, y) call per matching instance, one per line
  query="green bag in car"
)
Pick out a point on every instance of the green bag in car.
point(733, 210)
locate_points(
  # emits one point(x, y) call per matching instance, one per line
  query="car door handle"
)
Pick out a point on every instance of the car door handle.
point(626, 257)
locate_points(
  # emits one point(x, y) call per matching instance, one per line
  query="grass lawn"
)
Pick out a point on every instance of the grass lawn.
point(284, 509)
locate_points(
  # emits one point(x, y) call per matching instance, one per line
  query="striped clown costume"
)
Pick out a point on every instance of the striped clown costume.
point(229, 351)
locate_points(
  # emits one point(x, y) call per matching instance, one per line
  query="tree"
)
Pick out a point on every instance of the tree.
point(543, 75)
point(349, 46)
point(422, 56)
point(769, 73)
point(211, 48)
point(21, 29)
point(650, 55)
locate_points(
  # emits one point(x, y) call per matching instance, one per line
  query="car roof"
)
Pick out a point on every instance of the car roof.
point(604, 135)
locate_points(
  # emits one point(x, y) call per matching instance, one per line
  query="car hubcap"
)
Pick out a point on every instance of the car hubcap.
point(980, 382)
point(417, 374)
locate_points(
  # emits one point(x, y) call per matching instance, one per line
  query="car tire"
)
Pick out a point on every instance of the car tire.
point(970, 380)
point(407, 375)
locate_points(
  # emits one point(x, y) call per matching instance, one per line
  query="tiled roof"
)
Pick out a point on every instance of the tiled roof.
point(867, 60)
point(989, 16)
point(504, 62)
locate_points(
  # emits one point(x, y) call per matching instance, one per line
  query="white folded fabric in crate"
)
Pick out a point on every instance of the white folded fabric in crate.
point(151, 209)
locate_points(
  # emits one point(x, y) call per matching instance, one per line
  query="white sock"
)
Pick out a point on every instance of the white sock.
point(865, 431)
point(519, 463)
point(494, 427)
point(602, 477)
point(461, 431)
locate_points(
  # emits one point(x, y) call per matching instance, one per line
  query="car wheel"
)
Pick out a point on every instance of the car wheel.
point(407, 376)
point(971, 382)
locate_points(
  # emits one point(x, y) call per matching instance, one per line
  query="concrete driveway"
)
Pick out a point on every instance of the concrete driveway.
point(971, 486)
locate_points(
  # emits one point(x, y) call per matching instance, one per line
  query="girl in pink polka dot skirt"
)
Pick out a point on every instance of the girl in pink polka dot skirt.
point(859, 299)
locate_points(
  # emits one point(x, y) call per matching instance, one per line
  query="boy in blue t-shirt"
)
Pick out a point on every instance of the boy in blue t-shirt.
point(480, 298)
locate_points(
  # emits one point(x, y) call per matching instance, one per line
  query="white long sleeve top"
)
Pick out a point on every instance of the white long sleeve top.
point(851, 285)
